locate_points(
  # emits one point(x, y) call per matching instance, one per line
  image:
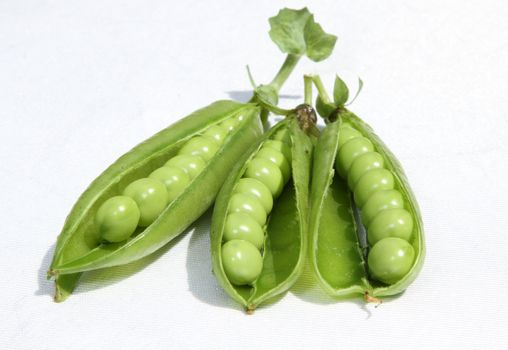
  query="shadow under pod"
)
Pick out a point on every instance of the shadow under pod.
point(100, 278)
point(202, 283)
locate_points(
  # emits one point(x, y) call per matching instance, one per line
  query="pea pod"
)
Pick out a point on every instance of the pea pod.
point(285, 240)
point(338, 257)
point(78, 247)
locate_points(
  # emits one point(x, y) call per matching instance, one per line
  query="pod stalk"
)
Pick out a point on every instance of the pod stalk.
point(318, 83)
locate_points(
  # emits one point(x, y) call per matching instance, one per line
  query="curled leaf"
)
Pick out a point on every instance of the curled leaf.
point(360, 86)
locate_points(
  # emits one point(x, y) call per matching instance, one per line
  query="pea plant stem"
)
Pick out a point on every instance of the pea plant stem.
point(285, 70)
point(321, 89)
point(307, 83)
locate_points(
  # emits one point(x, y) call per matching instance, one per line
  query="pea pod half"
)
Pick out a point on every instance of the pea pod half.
point(253, 269)
point(355, 176)
point(79, 247)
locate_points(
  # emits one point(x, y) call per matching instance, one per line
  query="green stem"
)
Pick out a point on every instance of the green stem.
point(287, 68)
point(321, 89)
point(307, 84)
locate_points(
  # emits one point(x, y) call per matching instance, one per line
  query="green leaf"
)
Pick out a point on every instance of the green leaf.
point(286, 30)
point(319, 44)
point(295, 32)
point(324, 109)
point(340, 92)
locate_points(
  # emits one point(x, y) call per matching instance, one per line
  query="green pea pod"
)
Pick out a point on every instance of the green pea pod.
point(285, 241)
point(337, 255)
point(78, 249)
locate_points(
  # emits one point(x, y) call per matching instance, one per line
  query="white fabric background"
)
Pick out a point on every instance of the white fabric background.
point(84, 81)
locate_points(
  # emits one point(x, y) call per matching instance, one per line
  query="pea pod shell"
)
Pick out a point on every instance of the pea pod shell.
point(329, 192)
point(286, 232)
point(334, 250)
point(77, 251)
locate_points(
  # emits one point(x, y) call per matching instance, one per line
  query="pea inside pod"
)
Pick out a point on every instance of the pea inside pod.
point(379, 191)
point(152, 193)
point(235, 258)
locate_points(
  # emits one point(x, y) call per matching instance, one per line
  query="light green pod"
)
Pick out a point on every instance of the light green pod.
point(286, 231)
point(338, 259)
point(78, 246)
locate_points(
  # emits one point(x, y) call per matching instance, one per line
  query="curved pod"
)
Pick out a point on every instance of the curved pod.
point(338, 259)
point(285, 240)
point(78, 249)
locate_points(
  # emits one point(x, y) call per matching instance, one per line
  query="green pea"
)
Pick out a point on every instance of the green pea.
point(362, 164)
point(117, 218)
point(201, 146)
point(281, 147)
point(266, 172)
point(175, 180)
point(244, 203)
point(243, 226)
point(242, 262)
point(277, 158)
point(257, 189)
point(230, 124)
point(381, 200)
point(370, 182)
point(350, 151)
point(284, 136)
point(390, 223)
point(347, 133)
point(192, 165)
point(390, 259)
point(216, 133)
point(151, 197)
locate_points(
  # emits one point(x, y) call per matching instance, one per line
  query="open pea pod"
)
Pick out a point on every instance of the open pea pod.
point(79, 247)
point(283, 240)
point(340, 258)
